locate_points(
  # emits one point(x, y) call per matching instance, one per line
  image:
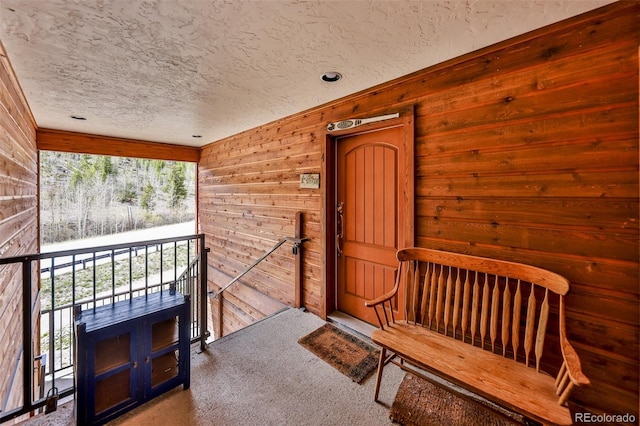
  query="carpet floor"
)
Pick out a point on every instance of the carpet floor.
point(262, 376)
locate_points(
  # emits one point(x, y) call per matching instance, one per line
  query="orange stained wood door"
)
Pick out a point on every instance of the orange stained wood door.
point(370, 217)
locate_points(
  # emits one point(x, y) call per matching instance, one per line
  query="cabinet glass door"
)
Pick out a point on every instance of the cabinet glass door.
point(112, 362)
point(165, 354)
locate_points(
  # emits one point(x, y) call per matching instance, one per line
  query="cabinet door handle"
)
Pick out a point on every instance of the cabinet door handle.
point(135, 364)
point(146, 360)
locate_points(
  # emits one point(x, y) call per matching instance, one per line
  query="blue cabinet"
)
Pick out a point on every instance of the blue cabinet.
point(130, 352)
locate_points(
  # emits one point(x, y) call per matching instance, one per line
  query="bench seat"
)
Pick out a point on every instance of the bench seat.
point(510, 384)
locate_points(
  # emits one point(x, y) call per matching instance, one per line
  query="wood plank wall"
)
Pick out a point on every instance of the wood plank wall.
point(248, 197)
point(524, 151)
point(18, 224)
point(63, 141)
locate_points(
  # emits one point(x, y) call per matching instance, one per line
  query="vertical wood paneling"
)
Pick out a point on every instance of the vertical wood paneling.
point(524, 151)
point(18, 225)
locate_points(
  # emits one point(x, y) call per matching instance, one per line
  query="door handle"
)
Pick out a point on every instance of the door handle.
point(339, 227)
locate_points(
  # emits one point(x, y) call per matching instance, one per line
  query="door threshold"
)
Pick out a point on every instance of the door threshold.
point(352, 323)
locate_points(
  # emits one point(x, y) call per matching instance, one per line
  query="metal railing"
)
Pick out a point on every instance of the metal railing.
point(88, 278)
point(296, 246)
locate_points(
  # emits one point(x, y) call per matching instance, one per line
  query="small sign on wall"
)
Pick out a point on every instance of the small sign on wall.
point(310, 180)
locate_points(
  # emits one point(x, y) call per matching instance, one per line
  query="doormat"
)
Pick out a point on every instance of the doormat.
point(348, 354)
point(421, 403)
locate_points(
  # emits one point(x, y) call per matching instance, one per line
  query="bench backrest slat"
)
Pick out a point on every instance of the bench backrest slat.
point(456, 302)
point(484, 308)
point(475, 307)
point(425, 296)
point(466, 299)
point(542, 327)
point(506, 310)
point(531, 315)
point(495, 311)
point(515, 336)
point(447, 299)
point(480, 301)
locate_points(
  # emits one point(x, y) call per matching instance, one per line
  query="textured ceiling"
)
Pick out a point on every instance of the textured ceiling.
point(164, 70)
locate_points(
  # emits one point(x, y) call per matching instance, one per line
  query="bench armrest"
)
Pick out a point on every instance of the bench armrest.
point(379, 302)
point(570, 374)
point(572, 362)
point(382, 299)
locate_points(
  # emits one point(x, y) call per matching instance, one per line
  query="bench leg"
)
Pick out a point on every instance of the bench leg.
point(381, 364)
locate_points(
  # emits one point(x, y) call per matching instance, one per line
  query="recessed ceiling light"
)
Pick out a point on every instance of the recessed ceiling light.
point(77, 117)
point(331, 77)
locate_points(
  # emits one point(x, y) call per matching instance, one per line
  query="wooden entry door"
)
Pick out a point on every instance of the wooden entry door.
point(370, 217)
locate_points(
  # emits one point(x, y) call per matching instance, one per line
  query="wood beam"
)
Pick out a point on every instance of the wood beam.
point(58, 140)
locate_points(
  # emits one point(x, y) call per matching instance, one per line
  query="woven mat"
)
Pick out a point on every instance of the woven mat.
point(348, 354)
point(421, 403)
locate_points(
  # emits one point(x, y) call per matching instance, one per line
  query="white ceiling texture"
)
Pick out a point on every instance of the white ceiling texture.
point(166, 70)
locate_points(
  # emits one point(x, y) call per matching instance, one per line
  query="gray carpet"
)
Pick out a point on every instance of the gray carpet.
point(262, 376)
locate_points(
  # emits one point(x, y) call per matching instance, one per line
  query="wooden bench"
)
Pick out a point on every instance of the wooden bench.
point(481, 324)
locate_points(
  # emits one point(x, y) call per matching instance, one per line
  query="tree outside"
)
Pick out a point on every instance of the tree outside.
point(90, 195)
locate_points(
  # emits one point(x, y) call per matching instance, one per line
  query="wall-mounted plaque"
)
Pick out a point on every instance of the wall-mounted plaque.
point(310, 180)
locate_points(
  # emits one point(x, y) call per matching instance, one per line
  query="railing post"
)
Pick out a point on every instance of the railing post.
point(203, 292)
point(27, 336)
point(298, 267)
